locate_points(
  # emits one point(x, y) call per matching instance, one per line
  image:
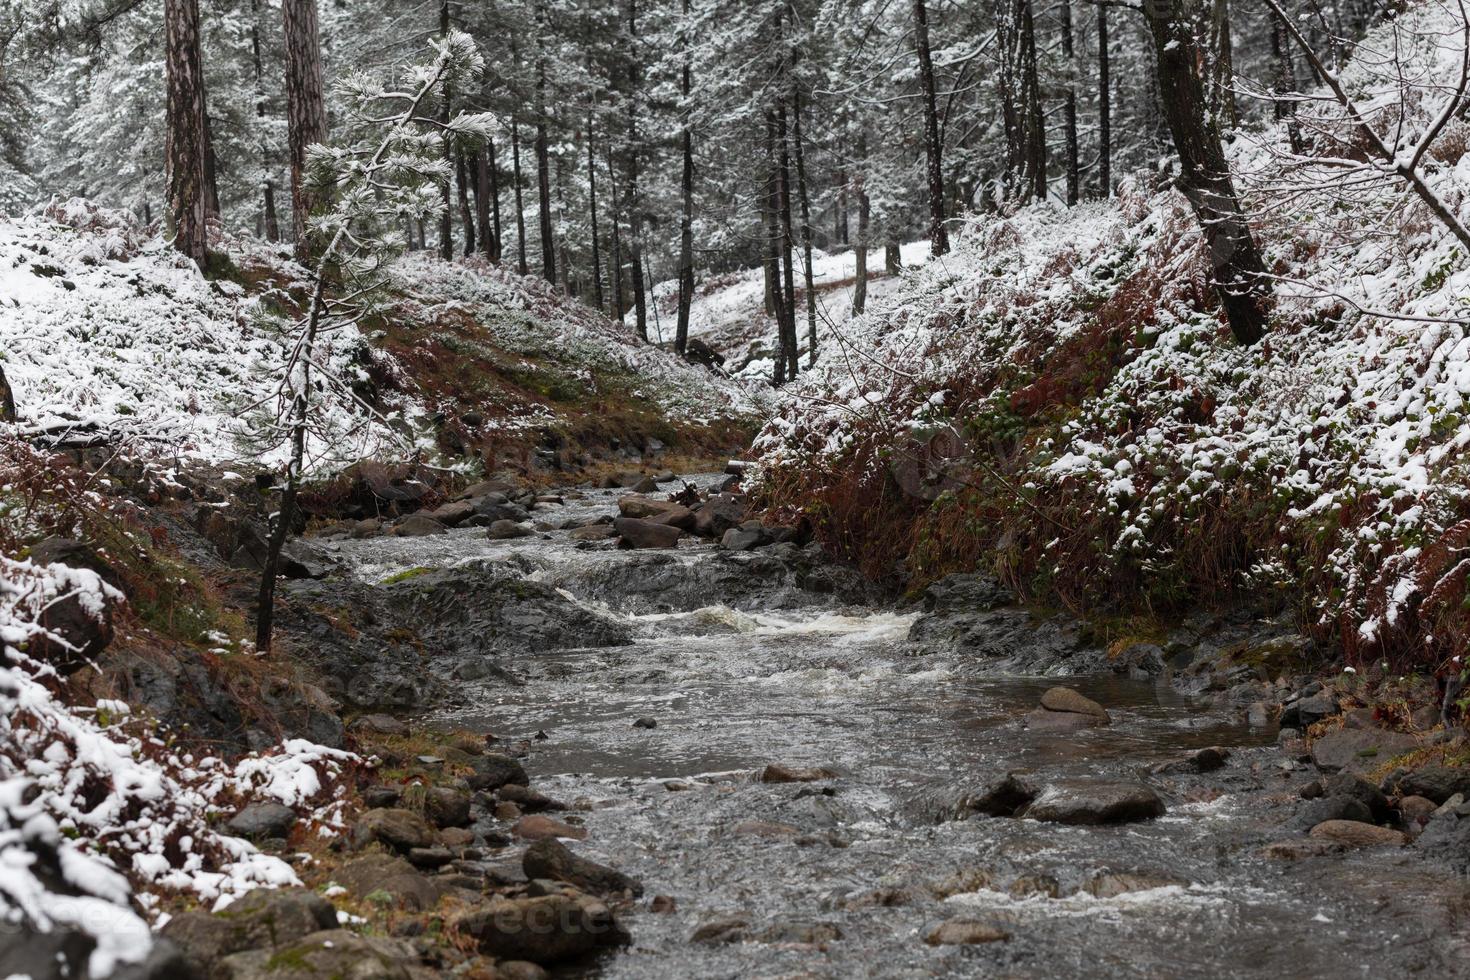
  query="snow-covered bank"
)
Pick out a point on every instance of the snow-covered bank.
point(100, 816)
point(1058, 399)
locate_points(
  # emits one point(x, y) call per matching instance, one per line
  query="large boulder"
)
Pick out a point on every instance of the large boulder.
point(261, 919)
point(391, 879)
point(262, 820)
point(637, 533)
point(719, 514)
point(550, 858)
point(1001, 796)
point(1360, 749)
point(78, 626)
point(493, 770)
point(400, 830)
point(542, 929)
point(1066, 699)
point(1352, 833)
point(1436, 782)
point(329, 953)
point(1090, 803)
point(643, 508)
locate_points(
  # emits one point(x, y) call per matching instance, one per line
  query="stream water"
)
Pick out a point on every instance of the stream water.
point(793, 678)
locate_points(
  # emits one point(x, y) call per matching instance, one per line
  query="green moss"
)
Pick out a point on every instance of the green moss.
point(405, 575)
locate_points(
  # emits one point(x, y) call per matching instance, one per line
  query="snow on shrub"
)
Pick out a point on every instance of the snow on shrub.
point(99, 815)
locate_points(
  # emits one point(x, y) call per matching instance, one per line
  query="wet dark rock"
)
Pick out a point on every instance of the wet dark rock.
point(1352, 833)
point(260, 820)
point(418, 526)
point(1012, 639)
point(593, 532)
point(723, 930)
point(446, 807)
point(1446, 837)
point(519, 970)
point(1415, 812)
point(330, 953)
point(645, 508)
point(777, 773)
point(429, 858)
point(506, 530)
point(453, 513)
point(76, 633)
point(1437, 782)
point(646, 723)
point(745, 539)
point(165, 961)
point(1140, 661)
point(74, 554)
point(1308, 710)
point(264, 918)
point(60, 954)
point(1111, 884)
point(401, 830)
point(1002, 796)
point(540, 827)
point(542, 929)
point(1360, 749)
point(1300, 849)
point(1352, 785)
point(392, 878)
point(965, 932)
point(1064, 699)
point(1331, 808)
point(966, 592)
point(1199, 761)
point(768, 829)
point(529, 800)
point(1083, 802)
point(493, 770)
point(635, 533)
point(549, 858)
point(719, 514)
point(378, 724)
point(799, 932)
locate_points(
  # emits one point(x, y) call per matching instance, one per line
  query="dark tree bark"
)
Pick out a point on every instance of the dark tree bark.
point(1031, 87)
point(446, 219)
point(186, 149)
point(482, 204)
point(592, 208)
point(772, 215)
point(892, 258)
point(616, 273)
point(1283, 107)
point(270, 223)
point(543, 165)
point(1104, 107)
point(7, 399)
point(860, 247)
point(515, 158)
point(635, 199)
point(1069, 106)
point(499, 241)
point(686, 215)
point(466, 215)
point(938, 233)
point(806, 233)
point(306, 114)
point(1222, 74)
point(1236, 264)
point(788, 246)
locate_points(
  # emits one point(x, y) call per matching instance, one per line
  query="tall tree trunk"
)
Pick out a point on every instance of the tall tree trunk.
point(466, 216)
point(482, 204)
point(1069, 106)
point(306, 113)
point(772, 215)
point(686, 215)
point(788, 246)
point(499, 240)
point(515, 159)
point(446, 219)
point(1035, 126)
point(938, 233)
point(543, 165)
point(860, 249)
point(616, 273)
point(1284, 107)
point(1236, 263)
point(271, 224)
point(1104, 107)
point(592, 211)
point(806, 232)
point(635, 200)
point(1222, 74)
point(892, 258)
point(187, 148)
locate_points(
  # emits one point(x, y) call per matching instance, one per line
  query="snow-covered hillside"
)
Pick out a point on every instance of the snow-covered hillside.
point(104, 327)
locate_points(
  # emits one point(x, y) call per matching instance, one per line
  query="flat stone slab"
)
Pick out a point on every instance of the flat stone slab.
point(1360, 749)
point(1094, 803)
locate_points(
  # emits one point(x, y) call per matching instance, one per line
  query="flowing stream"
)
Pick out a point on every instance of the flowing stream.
point(795, 678)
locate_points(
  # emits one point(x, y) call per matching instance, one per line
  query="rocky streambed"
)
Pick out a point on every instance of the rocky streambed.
point(790, 775)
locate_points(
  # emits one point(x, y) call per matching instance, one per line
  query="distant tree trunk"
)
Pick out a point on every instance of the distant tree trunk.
point(860, 249)
point(482, 204)
point(306, 114)
point(499, 241)
point(686, 215)
point(543, 165)
point(1236, 264)
point(892, 258)
point(7, 400)
point(1222, 75)
point(788, 246)
point(616, 276)
point(515, 157)
point(186, 149)
point(466, 216)
point(592, 209)
point(1069, 106)
point(1285, 83)
point(938, 233)
point(635, 199)
point(772, 214)
point(1035, 126)
point(1104, 108)
point(270, 223)
point(446, 218)
point(806, 232)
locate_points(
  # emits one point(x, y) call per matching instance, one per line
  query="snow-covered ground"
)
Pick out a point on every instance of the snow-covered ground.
point(728, 311)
